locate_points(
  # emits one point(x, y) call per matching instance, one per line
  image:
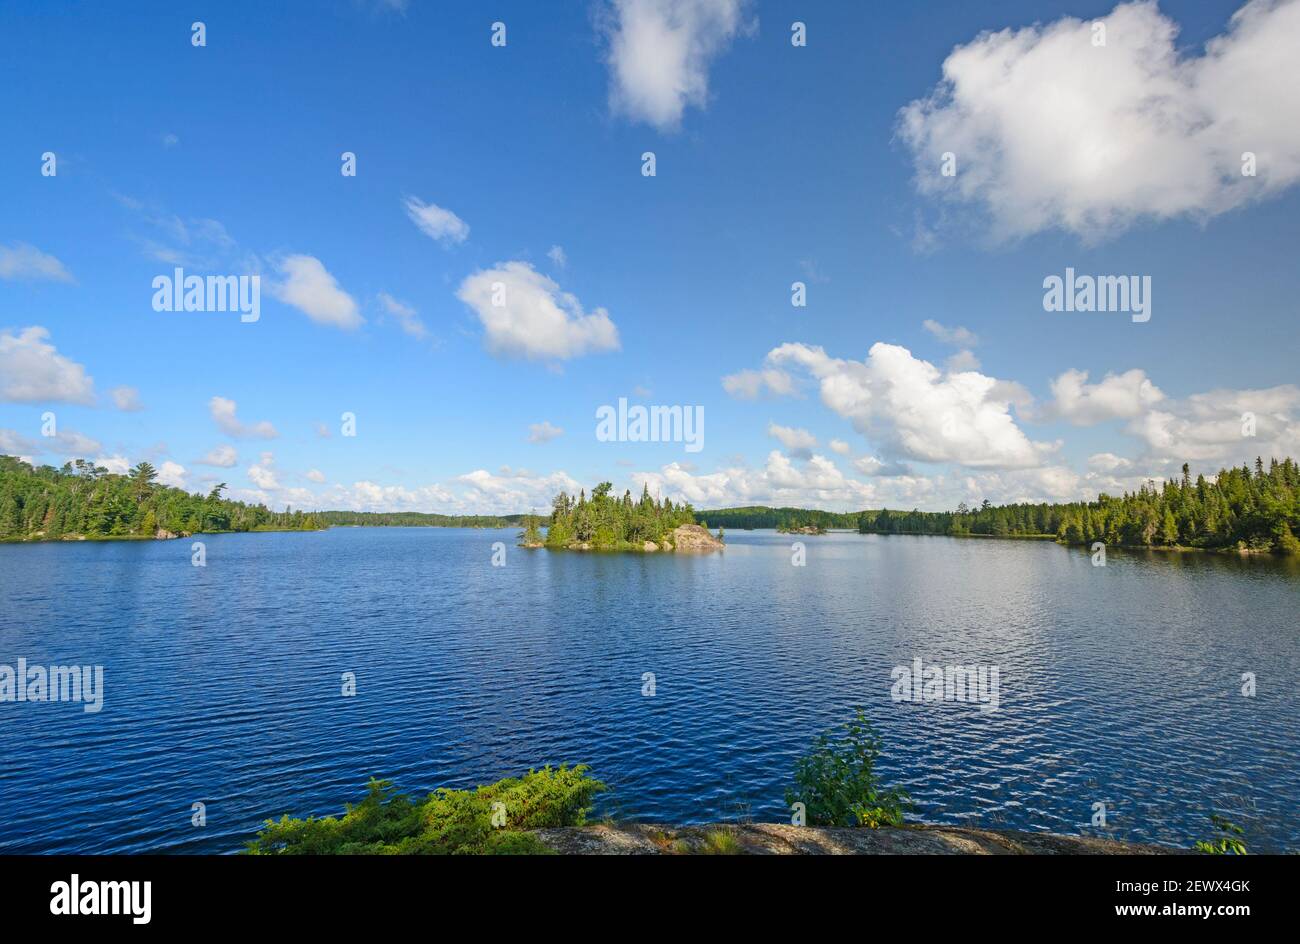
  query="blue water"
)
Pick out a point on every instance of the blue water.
point(1119, 685)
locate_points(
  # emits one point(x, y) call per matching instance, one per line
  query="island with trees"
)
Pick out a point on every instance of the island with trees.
point(605, 522)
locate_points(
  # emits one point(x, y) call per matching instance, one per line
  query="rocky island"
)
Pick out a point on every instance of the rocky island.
point(604, 522)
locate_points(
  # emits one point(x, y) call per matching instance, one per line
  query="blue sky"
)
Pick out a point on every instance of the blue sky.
point(774, 164)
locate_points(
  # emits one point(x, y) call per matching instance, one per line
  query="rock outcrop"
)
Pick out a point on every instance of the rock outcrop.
point(693, 537)
point(780, 839)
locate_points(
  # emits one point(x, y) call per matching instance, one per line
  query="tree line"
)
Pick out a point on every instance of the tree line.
point(416, 519)
point(1249, 509)
point(82, 499)
point(787, 519)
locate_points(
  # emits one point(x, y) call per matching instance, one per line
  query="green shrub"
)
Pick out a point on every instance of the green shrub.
point(837, 782)
point(448, 822)
point(721, 842)
point(1228, 842)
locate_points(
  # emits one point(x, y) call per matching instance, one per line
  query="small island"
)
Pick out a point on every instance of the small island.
point(606, 523)
point(801, 529)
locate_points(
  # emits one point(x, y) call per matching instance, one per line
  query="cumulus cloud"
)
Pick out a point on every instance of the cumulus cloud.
point(1052, 131)
point(1116, 396)
point(309, 287)
point(514, 489)
point(913, 410)
point(816, 481)
point(840, 447)
point(543, 432)
point(660, 51)
point(21, 262)
point(223, 456)
point(799, 442)
point(962, 360)
point(437, 223)
point(1228, 426)
point(525, 314)
point(750, 384)
point(223, 414)
point(406, 316)
point(126, 399)
point(33, 371)
point(315, 475)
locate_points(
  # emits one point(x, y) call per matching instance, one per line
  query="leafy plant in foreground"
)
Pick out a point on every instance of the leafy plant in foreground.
point(1228, 843)
point(448, 822)
point(837, 781)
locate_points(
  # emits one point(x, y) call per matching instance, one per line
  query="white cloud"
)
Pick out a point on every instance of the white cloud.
point(914, 410)
point(223, 414)
point(956, 336)
point(962, 360)
point(315, 475)
point(21, 262)
point(514, 490)
point(126, 399)
point(814, 482)
point(1212, 426)
point(262, 473)
point(223, 456)
point(172, 473)
point(117, 465)
point(840, 447)
point(1107, 462)
point(800, 442)
point(1050, 131)
point(660, 51)
point(437, 223)
point(750, 384)
point(1117, 396)
point(308, 287)
point(13, 443)
point(557, 256)
point(33, 371)
point(406, 316)
point(543, 432)
point(525, 314)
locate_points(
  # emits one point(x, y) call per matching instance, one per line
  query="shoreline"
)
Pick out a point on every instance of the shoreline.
point(613, 838)
point(1170, 548)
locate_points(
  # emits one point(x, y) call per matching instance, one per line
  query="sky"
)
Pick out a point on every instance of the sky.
point(439, 330)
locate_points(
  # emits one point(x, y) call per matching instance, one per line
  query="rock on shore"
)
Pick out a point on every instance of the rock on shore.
point(693, 537)
point(779, 839)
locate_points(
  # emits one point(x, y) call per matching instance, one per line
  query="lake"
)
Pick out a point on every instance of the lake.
point(1119, 685)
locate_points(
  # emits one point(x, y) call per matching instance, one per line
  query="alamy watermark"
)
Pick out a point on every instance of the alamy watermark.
point(1130, 293)
point(83, 683)
point(181, 292)
point(637, 423)
point(977, 684)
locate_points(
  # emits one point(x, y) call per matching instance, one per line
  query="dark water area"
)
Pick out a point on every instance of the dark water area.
point(1119, 685)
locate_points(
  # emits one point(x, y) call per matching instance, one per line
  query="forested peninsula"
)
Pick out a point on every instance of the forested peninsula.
point(1241, 509)
point(83, 501)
